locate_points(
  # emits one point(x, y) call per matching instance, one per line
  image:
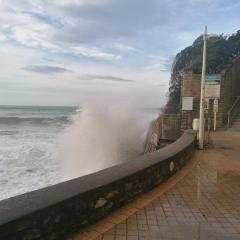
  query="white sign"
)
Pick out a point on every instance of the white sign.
point(187, 103)
point(215, 105)
point(212, 91)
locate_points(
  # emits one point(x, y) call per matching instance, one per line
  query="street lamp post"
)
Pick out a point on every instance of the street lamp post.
point(206, 37)
point(201, 112)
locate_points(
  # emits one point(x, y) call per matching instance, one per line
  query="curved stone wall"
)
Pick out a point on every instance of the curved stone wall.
point(57, 211)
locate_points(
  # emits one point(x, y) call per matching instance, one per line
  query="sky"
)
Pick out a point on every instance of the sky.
point(71, 52)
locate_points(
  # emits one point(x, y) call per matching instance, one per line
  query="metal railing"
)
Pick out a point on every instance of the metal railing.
point(172, 121)
point(165, 127)
point(233, 111)
point(171, 125)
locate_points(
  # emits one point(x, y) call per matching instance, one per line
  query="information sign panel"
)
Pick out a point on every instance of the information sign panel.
point(215, 105)
point(212, 91)
point(187, 103)
point(213, 79)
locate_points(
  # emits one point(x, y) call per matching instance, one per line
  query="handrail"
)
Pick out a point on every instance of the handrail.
point(230, 111)
point(234, 103)
point(157, 128)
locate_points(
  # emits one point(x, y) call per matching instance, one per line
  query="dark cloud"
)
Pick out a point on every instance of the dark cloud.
point(105, 78)
point(119, 19)
point(45, 69)
point(112, 20)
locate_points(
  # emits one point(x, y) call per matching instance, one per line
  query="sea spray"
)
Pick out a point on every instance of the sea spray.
point(30, 147)
point(101, 136)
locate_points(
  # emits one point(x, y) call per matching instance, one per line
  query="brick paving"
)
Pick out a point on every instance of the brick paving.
point(205, 204)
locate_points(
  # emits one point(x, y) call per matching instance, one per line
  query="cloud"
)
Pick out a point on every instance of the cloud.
point(35, 26)
point(163, 64)
point(79, 2)
point(114, 19)
point(116, 41)
point(105, 78)
point(124, 47)
point(34, 38)
point(3, 37)
point(45, 18)
point(94, 53)
point(94, 21)
point(80, 26)
point(161, 85)
point(45, 69)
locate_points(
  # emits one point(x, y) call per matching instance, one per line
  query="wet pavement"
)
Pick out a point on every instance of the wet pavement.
point(205, 204)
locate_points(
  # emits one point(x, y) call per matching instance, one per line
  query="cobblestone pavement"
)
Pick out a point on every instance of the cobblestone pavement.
point(205, 204)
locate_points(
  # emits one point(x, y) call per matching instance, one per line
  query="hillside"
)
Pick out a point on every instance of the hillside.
point(220, 53)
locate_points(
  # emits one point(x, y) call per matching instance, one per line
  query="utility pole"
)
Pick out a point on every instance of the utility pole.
point(201, 112)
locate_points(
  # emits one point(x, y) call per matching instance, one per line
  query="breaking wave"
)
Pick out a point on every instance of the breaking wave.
point(100, 137)
point(34, 120)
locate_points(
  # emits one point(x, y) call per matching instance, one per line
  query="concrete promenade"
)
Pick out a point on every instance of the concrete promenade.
point(202, 201)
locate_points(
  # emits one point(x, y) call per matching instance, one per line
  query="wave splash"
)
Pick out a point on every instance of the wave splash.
point(100, 137)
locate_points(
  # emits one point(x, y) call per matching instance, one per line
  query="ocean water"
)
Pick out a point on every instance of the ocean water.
point(29, 145)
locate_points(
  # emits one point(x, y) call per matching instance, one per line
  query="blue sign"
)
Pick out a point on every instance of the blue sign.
point(213, 78)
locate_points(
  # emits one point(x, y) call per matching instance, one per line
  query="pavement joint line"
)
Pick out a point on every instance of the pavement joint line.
point(139, 203)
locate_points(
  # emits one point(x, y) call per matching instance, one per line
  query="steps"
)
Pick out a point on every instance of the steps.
point(236, 122)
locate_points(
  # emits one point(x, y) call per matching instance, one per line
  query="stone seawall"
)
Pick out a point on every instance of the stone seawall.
point(57, 211)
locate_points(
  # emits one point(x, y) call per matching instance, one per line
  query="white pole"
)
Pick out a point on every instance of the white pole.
point(201, 113)
point(215, 121)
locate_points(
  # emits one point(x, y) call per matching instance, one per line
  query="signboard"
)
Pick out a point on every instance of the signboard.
point(187, 103)
point(215, 105)
point(212, 91)
point(212, 86)
point(213, 79)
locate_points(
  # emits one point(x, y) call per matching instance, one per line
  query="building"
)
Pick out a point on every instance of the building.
point(229, 91)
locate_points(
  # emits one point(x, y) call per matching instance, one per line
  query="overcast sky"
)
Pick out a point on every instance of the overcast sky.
point(69, 52)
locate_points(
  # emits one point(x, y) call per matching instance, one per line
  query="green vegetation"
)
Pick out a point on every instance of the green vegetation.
point(220, 53)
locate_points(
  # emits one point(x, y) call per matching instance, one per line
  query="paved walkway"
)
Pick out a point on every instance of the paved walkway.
point(201, 202)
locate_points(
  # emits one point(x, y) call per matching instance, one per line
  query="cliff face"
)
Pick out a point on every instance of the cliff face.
point(220, 53)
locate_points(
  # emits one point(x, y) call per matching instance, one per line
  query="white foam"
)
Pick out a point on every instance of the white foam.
point(101, 136)
point(36, 156)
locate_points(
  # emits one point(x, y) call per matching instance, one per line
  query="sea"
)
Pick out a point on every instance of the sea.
point(29, 145)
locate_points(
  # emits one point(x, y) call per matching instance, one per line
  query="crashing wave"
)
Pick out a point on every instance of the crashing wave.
point(34, 120)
